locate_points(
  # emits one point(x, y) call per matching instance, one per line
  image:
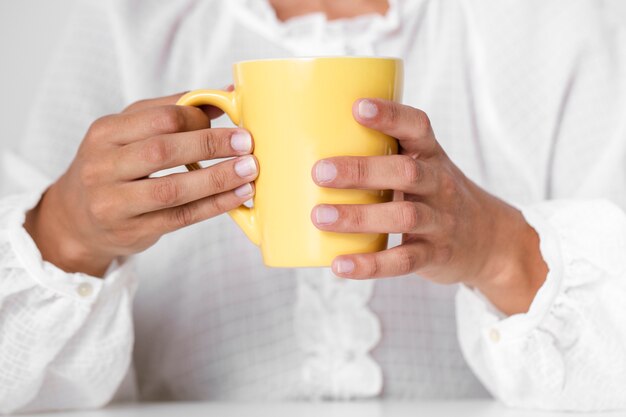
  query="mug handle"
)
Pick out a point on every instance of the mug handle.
point(225, 100)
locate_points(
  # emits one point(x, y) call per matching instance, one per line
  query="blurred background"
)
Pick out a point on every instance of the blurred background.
point(29, 32)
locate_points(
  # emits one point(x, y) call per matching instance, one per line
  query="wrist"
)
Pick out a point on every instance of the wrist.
point(515, 269)
point(48, 228)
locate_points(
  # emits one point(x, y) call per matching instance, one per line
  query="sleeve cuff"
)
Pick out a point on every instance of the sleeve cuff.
point(78, 286)
point(478, 312)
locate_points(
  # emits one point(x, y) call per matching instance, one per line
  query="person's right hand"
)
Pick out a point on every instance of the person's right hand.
point(106, 205)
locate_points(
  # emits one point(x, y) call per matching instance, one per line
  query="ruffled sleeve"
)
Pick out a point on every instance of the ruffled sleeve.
point(568, 352)
point(65, 339)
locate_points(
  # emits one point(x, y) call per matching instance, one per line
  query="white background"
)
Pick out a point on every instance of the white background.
point(29, 32)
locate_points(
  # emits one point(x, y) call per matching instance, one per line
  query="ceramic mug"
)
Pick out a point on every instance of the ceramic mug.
point(299, 110)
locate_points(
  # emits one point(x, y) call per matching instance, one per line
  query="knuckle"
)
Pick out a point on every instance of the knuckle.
point(157, 152)
point(98, 129)
point(422, 121)
point(166, 191)
point(219, 205)
point(408, 216)
point(360, 171)
point(411, 170)
point(100, 210)
point(393, 115)
point(169, 119)
point(183, 216)
point(357, 218)
point(449, 222)
point(89, 174)
point(448, 186)
point(137, 105)
point(218, 179)
point(406, 261)
point(208, 143)
point(372, 266)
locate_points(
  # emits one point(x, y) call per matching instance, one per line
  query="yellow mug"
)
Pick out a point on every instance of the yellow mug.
point(298, 111)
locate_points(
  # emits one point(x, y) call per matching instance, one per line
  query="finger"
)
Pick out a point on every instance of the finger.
point(125, 128)
point(399, 260)
point(409, 125)
point(211, 111)
point(153, 102)
point(154, 194)
point(140, 159)
point(395, 172)
point(171, 219)
point(393, 217)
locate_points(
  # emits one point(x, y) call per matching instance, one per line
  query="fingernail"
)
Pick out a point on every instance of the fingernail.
point(325, 171)
point(344, 266)
point(245, 167)
point(326, 214)
point(245, 190)
point(367, 109)
point(241, 141)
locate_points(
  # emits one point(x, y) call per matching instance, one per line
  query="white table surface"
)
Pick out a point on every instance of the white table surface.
point(478, 408)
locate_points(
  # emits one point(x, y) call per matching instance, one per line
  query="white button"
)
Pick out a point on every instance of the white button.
point(84, 290)
point(494, 335)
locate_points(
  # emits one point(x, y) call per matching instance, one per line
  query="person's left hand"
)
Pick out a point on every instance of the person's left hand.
point(453, 231)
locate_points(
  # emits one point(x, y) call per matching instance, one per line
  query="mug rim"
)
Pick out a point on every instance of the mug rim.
point(323, 57)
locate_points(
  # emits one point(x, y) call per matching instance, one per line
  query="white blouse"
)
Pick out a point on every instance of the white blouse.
point(527, 97)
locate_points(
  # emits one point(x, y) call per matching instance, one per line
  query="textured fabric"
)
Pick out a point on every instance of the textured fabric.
point(527, 97)
point(570, 346)
point(336, 331)
point(58, 345)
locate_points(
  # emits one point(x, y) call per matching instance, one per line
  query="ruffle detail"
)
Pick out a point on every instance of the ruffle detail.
point(575, 263)
point(569, 341)
point(313, 34)
point(336, 330)
point(586, 264)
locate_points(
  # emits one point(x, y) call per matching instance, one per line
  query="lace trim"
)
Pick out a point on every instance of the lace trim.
point(336, 330)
